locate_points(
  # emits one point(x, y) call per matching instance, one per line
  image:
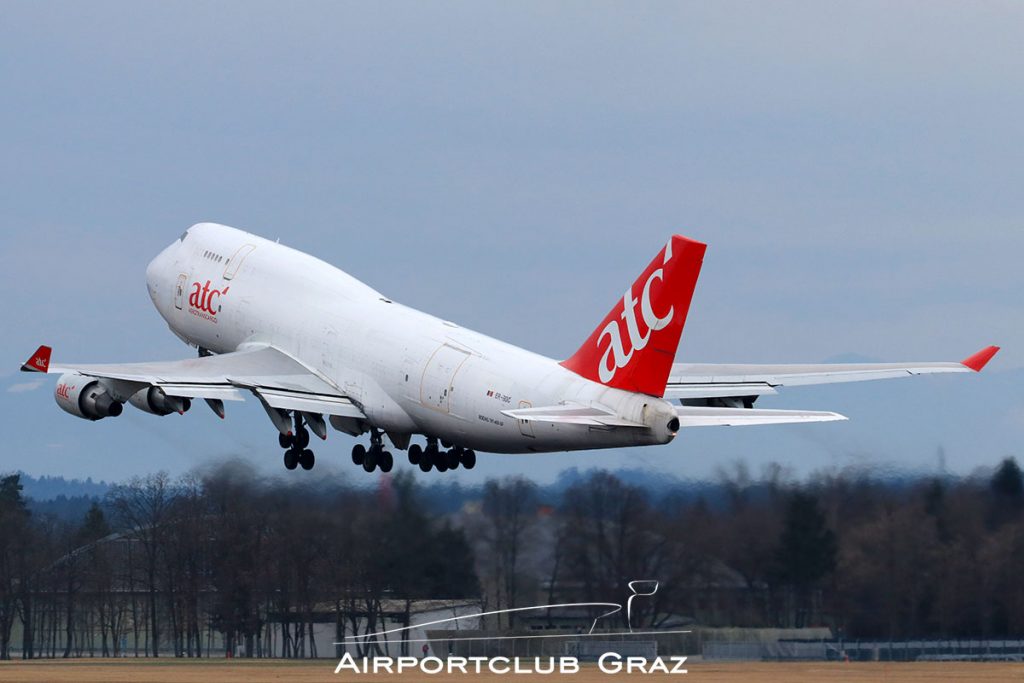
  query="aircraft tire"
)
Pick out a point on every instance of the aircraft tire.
point(452, 459)
point(285, 440)
point(307, 459)
point(469, 458)
point(441, 463)
point(358, 454)
point(291, 459)
point(386, 461)
point(302, 438)
point(415, 454)
point(424, 465)
point(370, 461)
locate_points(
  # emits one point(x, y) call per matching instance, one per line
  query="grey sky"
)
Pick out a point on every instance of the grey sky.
point(854, 167)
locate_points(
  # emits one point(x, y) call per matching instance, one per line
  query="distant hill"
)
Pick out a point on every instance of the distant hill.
point(50, 488)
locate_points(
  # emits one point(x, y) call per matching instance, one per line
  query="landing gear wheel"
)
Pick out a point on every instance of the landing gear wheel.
point(307, 459)
point(415, 454)
point(469, 458)
point(441, 463)
point(285, 440)
point(291, 459)
point(370, 461)
point(358, 454)
point(452, 459)
point(386, 461)
point(424, 465)
point(302, 438)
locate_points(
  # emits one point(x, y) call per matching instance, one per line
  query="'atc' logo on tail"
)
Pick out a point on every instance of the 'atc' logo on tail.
point(640, 357)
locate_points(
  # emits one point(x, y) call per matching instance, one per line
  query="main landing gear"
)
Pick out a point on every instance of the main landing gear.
point(373, 457)
point(433, 457)
point(297, 445)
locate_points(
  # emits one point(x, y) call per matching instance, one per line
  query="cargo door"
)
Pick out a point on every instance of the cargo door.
point(525, 426)
point(439, 375)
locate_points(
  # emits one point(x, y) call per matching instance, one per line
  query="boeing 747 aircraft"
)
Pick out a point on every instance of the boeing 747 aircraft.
point(315, 346)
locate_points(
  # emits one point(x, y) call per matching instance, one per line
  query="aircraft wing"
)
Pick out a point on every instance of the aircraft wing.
point(703, 381)
point(274, 377)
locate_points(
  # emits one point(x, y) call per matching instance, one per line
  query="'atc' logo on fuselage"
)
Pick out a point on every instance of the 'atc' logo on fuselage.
point(204, 301)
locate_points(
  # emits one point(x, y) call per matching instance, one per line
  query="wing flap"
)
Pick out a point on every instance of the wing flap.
point(741, 417)
point(207, 391)
point(310, 403)
point(711, 390)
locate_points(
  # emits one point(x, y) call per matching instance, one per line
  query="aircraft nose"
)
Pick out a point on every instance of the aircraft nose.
point(156, 275)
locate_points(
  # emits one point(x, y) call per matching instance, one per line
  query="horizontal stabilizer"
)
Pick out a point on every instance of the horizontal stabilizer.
point(571, 414)
point(741, 417)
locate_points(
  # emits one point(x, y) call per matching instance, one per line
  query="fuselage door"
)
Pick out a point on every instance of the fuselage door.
point(525, 426)
point(179, 291)
point(235, 262)
point(439, 377)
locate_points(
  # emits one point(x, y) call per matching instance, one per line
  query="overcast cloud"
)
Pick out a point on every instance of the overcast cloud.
point(854, 167)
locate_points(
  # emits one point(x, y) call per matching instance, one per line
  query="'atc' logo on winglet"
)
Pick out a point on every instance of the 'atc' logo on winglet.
point(38, 361)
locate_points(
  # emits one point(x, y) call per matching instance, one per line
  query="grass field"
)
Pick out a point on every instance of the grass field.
point(237, 671)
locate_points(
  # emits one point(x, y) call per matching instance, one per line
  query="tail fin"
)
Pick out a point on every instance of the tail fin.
point(638, 355)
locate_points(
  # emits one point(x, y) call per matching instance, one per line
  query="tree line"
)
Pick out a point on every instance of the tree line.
point(227, 560)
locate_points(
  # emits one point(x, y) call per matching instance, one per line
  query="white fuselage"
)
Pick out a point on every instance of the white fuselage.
point(223, 289)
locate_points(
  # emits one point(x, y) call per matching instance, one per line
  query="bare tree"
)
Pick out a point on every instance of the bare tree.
point(143, 506)
point(510, 511)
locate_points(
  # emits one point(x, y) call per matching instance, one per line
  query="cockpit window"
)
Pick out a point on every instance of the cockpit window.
point(183, 236)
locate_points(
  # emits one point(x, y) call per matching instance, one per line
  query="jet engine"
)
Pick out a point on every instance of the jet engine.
point(86, 397)
point(154, 400)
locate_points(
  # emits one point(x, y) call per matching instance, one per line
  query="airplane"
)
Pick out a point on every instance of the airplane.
point(313, 346)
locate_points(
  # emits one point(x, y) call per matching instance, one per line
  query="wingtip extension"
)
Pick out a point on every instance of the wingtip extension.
point(980, 359)
point(38, 361)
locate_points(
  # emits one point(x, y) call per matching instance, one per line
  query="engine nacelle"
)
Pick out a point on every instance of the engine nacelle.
point(86, 397)
point(154, 400)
